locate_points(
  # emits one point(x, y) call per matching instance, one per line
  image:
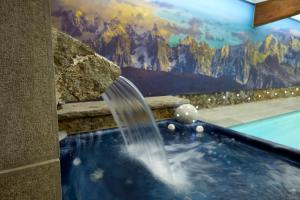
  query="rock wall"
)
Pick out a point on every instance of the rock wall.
point(238, 97)
point(80, 73)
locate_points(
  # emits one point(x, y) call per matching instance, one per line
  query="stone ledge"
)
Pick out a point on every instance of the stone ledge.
point(239, 97)
point(88, 116)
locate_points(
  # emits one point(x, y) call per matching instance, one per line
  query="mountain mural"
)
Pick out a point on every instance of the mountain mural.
point(176, 40)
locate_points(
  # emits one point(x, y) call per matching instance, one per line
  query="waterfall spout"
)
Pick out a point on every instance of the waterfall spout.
point(139, 130)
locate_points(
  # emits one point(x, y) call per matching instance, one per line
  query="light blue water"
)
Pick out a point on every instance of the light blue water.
point(283, 129)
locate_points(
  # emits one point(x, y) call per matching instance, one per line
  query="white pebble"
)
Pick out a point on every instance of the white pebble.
point(199, 129)
point(171, 127)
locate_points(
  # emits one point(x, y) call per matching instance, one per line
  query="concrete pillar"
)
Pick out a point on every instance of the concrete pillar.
point(29, 150)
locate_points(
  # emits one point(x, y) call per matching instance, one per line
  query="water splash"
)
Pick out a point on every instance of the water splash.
point(139, 130)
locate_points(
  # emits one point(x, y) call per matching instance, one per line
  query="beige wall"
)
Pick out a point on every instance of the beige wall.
point(29, 151)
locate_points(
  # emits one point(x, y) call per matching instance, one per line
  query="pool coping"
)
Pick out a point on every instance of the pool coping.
point(74, 118)
point(232, 115)
point(264, 119)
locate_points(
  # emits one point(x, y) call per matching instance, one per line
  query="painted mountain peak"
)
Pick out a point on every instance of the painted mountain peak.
point(194, 38)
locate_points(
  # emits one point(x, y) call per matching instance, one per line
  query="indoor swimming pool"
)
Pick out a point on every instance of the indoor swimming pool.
point(283, 129)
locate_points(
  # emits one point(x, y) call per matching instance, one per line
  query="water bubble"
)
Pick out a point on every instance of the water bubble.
point(76, 161)
point(96, 175)
point(293, 190)
point(128, 182)
point(198, 135)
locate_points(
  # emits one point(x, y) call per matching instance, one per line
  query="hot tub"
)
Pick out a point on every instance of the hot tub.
point(218, 164)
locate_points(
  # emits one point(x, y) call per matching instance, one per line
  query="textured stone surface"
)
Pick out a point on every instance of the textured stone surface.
point(186, 114)
point(87, 116)
point(28, 118)
point(232, 98)
point(81, 74)
point(33, 183)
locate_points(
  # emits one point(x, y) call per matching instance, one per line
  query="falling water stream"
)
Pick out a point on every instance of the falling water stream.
point(139, 130)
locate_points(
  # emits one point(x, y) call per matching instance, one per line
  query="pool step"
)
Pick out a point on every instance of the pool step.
point(89, 116)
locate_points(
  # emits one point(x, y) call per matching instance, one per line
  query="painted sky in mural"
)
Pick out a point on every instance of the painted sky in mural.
point(175, 46)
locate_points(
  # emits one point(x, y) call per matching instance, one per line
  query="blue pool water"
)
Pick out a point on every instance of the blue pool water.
point(95, 166)
point(283, 129)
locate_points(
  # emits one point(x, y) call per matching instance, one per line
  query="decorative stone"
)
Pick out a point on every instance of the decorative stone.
point(186, 114)
point(171, 127)
point(80, 73)
point(199, 129)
